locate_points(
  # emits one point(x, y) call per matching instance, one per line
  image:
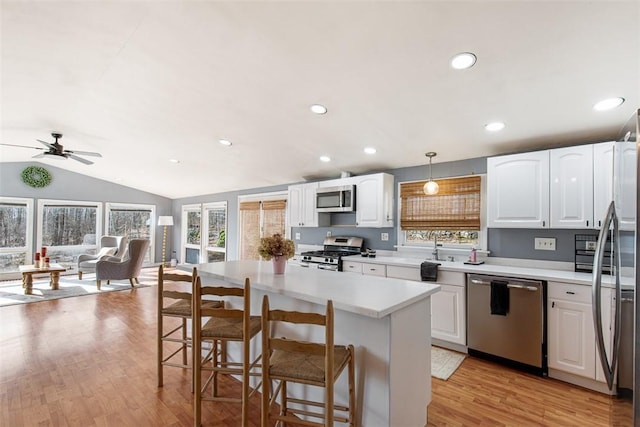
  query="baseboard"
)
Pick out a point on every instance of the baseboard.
point(449, 345)
point(580, 381)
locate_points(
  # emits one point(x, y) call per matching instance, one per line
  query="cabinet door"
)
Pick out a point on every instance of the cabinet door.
point(351, 266)
point(368, 201)
point(571, 202)
point(374, 200)
point(602, 180)
point(625, 185)
point(308, 209)
point(294, 203)
point(608, 311)
point(374, 269)
point(571, 337)
point(518, 190)
point(448, 314)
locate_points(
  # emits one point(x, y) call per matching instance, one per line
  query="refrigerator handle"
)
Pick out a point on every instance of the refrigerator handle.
point(596, 297)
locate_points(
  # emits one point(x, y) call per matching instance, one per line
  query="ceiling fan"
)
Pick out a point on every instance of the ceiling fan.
point(58, 150)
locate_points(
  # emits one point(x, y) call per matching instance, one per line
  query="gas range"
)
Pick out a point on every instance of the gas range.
point(330, 258)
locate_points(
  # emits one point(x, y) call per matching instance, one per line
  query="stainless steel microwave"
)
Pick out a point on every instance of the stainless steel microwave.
point(336, 199)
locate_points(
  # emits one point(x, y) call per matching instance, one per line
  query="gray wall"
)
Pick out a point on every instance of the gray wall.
point(506, 243)
point(67, 185)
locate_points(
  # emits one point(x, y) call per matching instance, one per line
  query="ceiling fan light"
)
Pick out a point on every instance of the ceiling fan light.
point(430, 188)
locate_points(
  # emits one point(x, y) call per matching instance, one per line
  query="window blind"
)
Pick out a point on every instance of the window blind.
point(274, 216)
point(455, 207)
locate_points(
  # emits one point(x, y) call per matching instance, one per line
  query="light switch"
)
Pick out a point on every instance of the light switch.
point(297, 236)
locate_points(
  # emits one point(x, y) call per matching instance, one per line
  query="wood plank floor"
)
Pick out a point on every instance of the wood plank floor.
point(90, 361)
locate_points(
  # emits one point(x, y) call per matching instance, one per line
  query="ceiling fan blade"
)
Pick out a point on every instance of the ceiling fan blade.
point(46, 144)
point(80, 159)
point(84, 153)
point(22, 146)
point(38, 156)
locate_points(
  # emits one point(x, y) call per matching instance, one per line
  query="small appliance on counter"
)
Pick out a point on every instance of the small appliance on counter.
point(330, 258)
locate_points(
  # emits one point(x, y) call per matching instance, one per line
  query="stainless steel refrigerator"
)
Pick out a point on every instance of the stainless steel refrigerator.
point(620, 231)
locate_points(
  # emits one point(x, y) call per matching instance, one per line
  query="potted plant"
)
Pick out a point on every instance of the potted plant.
point(278, 249)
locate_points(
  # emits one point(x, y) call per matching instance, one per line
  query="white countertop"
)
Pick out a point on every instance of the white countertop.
point(369, 296)
point(497, 270)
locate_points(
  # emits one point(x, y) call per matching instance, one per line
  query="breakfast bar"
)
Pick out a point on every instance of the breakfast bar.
point(387, 320)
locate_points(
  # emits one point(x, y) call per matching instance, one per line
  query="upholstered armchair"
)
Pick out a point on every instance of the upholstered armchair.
point(109, 246)
point(113, 268)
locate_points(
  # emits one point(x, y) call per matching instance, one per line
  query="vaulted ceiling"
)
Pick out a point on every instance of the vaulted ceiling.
point(143, 82)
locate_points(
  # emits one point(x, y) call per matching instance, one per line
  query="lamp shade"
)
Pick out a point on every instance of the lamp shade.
point(165, 220)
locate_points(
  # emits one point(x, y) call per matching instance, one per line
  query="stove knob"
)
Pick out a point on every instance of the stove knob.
point(326, 260)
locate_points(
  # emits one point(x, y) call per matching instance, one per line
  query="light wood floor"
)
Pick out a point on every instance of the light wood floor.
point(90, 361)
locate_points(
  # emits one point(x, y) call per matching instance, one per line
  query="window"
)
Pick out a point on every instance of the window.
point(259, 216)
point(453, 216)
point(16, 233)
point(68, 229)
point(133, 222)
point(211, 217)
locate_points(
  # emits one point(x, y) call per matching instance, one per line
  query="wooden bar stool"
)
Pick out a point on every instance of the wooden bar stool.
point(176, 304)
point(319, 364)
point(224, 325)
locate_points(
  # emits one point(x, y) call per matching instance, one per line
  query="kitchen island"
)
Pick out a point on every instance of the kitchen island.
point(387, 320)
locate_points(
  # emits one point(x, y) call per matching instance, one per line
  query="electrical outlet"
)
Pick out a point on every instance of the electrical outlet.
point(384, 236)
point(297, 236)
point(545, 244)
point(328, 233)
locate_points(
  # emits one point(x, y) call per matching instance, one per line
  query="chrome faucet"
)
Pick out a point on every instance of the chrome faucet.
point(435, 247)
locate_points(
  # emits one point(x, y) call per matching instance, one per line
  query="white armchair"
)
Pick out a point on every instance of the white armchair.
point(115, 246)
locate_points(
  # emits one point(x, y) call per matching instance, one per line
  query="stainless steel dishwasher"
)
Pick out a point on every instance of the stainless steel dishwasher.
point(514, 335)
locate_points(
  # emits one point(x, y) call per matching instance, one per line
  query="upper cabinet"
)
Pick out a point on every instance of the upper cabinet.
point(374, 200)
point(302, 205)
point(572, 192)
point(603, 155)
point(518, 190)
point(567, 187)
point(625, 185)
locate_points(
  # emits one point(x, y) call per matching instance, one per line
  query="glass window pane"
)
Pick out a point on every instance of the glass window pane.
point(13, 226)
point(69, 225)
point(134, 224)
point(217, 226)
point(193, 228)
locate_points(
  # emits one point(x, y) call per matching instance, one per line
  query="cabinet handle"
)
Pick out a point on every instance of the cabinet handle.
point(553, 304)
point(587, 223)
point(600, 223)
point(570, 292)
point(543, 222)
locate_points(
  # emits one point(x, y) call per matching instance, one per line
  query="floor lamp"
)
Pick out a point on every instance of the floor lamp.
point(165, 221)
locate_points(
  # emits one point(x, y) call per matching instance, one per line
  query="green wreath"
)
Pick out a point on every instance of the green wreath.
point(36, 176)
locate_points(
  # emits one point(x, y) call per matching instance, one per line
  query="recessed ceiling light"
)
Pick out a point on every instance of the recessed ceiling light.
point(463, 60)
point(325, 158)
point(494, 126)
point(225, 142)
point(318, 109)
point(174, 160)
point(370, 150)
point(608, 104)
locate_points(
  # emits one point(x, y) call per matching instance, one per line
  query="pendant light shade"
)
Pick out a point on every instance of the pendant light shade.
point(430, 187)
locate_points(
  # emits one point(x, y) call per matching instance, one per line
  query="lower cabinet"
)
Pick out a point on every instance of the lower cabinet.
point(448, 307)
point(570, 331)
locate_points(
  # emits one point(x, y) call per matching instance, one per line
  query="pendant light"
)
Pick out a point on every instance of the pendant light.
point(430, 187)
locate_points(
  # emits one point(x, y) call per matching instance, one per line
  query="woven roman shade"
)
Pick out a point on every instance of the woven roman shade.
point(274, 213)
point(455, 207)
point(250, 226)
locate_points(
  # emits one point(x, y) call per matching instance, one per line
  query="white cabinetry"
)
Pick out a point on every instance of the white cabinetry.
point(572, 191)
point(302, 206)
point(448, 307)
point(570, 331)
point(518, 190)
point(625, 186)
point(602, 180)
point(374, 200)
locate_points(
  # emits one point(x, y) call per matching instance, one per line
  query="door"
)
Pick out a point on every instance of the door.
point(571, 201)
point(518, 190)
point(571, 338)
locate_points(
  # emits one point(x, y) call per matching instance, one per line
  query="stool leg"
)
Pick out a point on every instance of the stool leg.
point(352, 391)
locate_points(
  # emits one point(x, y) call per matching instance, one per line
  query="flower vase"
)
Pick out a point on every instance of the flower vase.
point(279, 264)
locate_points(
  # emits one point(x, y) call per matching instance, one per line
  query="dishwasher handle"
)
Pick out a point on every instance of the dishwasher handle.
point(531, 288)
